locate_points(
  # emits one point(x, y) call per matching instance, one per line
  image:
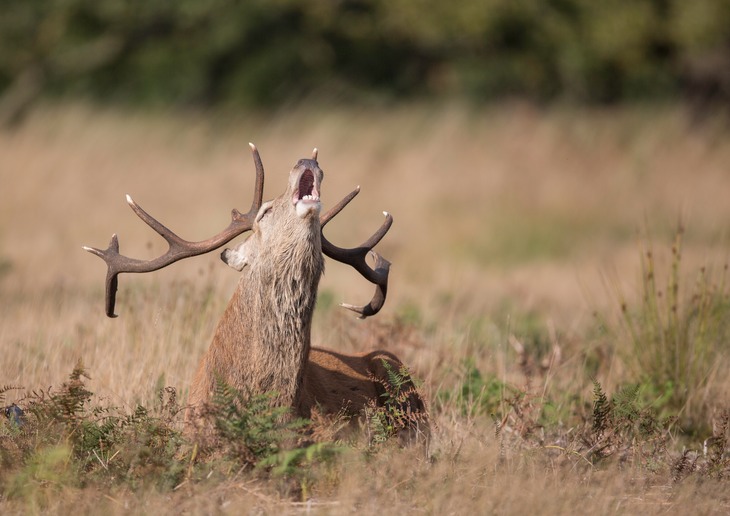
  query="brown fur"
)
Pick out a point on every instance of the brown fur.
point(262, 342)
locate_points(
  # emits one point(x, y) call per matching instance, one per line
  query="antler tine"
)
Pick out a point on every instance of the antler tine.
point(337, 208)
point(258, 192)
point(382, 268)
point(356, 257)
point(111, 275)
point(178, 247)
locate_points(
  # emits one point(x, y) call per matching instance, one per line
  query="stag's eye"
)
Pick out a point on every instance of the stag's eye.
point(264, 210)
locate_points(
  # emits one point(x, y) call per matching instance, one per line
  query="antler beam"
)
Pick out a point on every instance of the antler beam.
point(178, 247)
point(356, 257)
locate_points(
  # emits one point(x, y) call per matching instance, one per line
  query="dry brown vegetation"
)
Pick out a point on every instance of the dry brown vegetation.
point(518, 235)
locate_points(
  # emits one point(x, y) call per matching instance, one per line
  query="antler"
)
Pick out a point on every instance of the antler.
point(356, 258)
point(179, 248)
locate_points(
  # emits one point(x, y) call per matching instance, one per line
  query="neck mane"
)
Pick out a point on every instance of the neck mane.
point(265, 333)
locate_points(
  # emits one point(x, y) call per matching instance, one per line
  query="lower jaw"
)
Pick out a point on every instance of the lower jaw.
point(304, 208)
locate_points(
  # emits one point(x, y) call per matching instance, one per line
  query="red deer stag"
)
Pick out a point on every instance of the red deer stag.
point(262, 342)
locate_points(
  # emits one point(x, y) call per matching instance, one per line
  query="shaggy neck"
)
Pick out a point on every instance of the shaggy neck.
point(274, 306)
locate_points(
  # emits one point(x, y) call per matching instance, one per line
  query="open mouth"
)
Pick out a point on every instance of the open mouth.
point(306, 197)
point(307, 191)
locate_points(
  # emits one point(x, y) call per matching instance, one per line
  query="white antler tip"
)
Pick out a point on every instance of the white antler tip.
point(386, 213)
point(356, 309)
point(315, 152)
point(129, 199)
point(253, 147)
point(86, 248)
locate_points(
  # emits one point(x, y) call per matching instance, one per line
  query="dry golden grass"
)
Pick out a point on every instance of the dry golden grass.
point(506, 219)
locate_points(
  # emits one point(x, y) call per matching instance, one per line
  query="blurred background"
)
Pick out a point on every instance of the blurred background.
point(524, 148)
point(260, 54)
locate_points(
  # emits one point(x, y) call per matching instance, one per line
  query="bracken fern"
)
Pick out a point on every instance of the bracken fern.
point(394, 416)
point(625, 427)
point(253, 427)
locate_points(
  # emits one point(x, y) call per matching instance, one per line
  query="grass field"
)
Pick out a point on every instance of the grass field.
point(573, 343)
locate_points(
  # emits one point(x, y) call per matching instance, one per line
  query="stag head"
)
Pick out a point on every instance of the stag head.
point(272, 223)
point(291, 217)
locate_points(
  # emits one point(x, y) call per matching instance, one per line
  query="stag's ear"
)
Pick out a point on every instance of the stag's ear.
point(239, 256)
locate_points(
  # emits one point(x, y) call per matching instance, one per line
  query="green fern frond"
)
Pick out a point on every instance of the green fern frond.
point(397, 379)
point(626, 402)
point(254, 425)
point(601, 408)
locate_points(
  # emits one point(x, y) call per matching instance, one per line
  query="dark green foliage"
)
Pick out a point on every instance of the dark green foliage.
point(254, 427)
point(260, 53)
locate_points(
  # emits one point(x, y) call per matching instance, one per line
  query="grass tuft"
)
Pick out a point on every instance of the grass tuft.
point(678, 334)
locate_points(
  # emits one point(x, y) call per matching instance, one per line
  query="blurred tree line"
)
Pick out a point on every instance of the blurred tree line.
point(261, 52)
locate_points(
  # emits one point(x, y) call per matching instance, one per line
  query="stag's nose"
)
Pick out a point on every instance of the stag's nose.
point(307, 163)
